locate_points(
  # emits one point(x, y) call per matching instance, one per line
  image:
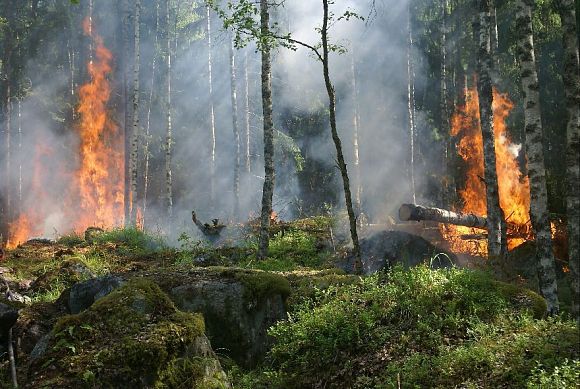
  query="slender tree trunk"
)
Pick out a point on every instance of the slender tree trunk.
point(494, 35)
point(336, 139)
point(572, 89)
point(448, 183)
point(126, 104)
point(410, 103)
point(8, 155)
point(147, 139)
point(355, 141)
point(19, 123)
point(535, 155)
point(247, 155)
point(269, 173)
point(211, 113)
point(135, 136)
point(168, 134)
point(236, 130)
point(496, 244)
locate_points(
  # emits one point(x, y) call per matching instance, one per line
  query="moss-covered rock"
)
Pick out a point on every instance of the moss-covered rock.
point(239, 306)
point(134, 337)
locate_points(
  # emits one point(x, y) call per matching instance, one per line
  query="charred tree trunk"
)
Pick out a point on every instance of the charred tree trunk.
point(236, 130)
point(135, 136)
point(535, 156)
point(269, 173)
point(336, 138)
point(448, 184)
point(572, 89)
point(496, 245)
point(127, 117)
point(211, 112)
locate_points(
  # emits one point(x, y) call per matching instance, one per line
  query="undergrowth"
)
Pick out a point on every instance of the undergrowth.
point(422, 328)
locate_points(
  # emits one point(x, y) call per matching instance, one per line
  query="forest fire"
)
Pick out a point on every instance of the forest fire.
point(94, 196)
point(513, 185)
point(100, 174)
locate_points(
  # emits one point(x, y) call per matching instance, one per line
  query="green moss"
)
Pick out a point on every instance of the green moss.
point(132, 337)
point(524, 298)
point(259, 284)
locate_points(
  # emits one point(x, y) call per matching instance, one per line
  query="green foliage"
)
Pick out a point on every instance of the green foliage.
point(565, 376)
point(437, 328)
point(131, 241)
point(71, 240)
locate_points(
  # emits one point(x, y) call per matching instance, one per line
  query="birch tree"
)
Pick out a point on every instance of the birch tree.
point(236, 131)
point(535, 155)
point(496, 242)
point(135, 136)
point(169, 132)
point(571, 79)
point(211, 110)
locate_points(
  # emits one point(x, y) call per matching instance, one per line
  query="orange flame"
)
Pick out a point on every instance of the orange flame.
point(95, 197)
point(514, 189)
point(100, 175)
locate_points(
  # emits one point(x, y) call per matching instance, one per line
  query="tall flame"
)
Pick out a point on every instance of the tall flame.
point(95, 195)
point(514, 189)
point(101, 172)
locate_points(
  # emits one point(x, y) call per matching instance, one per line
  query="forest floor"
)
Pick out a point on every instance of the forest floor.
point(295, 320)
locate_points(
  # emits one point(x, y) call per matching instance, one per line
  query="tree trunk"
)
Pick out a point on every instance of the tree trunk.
point(236, 131)
point(418, 213)
point(127, 129)
point(148, 124)
point(135, 136)
point(168, 135)
point(448, 184)
point(494, 35)
point(496, 245)
point(211, 113)
point(572, 89)
point(336, 138)
point(535, 155)
point(410, 104)
point(356, 127)
point(269, 174)
point(247, 155)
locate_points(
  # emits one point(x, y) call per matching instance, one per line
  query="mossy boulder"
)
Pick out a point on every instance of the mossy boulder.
point(133, 337)
point(238, 305)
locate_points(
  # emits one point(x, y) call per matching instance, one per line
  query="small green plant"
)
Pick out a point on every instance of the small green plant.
point(71, 240)
point(131, 240)
point(564, 376)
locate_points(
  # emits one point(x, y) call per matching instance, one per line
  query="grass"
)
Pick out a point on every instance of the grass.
point(426, 328)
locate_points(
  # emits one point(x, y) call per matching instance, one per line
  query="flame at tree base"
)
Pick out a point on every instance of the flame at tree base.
point(94, 181)
point(514, 188)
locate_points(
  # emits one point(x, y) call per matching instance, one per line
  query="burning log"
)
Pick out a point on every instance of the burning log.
point(418, 212)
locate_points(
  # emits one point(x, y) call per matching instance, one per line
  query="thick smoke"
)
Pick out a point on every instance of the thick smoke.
point(379, 49)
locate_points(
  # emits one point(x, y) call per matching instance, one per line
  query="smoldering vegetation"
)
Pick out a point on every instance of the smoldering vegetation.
point(44, 150)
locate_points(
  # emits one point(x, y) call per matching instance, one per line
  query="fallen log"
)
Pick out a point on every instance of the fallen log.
point(418, 213)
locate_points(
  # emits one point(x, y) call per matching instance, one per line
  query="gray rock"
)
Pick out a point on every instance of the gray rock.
point(236, 325)
point(385, 249)
point(40, 348)
point(83, 294)
point(8, 317)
